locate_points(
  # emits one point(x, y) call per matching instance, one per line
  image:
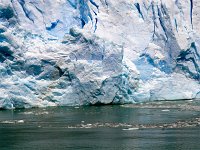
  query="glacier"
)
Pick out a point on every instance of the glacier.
point(88, 52)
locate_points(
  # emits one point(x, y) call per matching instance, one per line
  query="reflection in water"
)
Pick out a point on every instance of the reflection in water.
point(153, 126)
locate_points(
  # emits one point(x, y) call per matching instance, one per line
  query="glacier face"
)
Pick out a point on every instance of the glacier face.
point(81, 52)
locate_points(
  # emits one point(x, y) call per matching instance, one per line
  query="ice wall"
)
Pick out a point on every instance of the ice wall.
point(82, 52)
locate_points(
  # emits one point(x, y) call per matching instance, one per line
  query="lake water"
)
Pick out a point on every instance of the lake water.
point(153, 126)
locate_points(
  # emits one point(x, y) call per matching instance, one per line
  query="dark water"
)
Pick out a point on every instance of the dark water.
point(154, 126)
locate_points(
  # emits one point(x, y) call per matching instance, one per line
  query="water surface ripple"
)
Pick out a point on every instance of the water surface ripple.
point(157, 125)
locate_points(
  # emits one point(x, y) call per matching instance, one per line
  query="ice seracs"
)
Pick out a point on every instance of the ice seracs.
point(82, 52)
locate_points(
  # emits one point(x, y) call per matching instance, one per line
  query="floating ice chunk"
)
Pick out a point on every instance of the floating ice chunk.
point(131, 129)
point(20, 121)
point(28, 113)
point(8, 122)
point(165, 110)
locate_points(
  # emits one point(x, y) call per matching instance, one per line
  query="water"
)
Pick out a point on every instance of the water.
point(154, 126)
